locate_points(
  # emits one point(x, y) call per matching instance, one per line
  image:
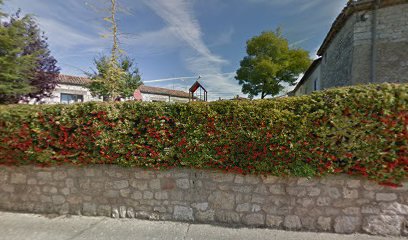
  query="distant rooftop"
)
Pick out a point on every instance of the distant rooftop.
point(73, 80)
point(163, 91)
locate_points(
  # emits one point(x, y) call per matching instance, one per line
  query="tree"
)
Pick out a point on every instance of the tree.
point(27, 69)
point(127, 83)
point(15, 68)
point(111, 81)
point(45, 73)
point(270, 64)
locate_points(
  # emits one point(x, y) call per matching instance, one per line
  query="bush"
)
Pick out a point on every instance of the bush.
point(357, 130)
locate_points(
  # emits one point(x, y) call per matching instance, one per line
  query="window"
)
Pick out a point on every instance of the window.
point(71, 98)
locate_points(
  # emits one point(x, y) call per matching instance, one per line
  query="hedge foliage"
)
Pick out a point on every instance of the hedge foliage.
point(357, 130)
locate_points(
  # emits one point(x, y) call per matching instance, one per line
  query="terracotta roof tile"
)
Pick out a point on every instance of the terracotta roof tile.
point(73, 80)
point(163, 91)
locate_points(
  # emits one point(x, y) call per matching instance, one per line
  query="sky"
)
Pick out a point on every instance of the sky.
point(175, 41)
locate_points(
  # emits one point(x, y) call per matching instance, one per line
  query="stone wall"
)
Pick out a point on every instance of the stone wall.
point(347, 60)
point(337, 61)
point(391, 48)
point(332, 204)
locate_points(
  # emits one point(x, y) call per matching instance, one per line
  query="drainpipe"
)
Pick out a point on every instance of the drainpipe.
point(373, 75)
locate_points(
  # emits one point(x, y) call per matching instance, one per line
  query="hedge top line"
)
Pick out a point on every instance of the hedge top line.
point(359, 130)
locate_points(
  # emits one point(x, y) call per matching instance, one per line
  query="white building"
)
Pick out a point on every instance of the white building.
point(157, 94)
point(71, 89)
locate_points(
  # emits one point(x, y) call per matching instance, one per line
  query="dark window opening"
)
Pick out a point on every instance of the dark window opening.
point(71, 98)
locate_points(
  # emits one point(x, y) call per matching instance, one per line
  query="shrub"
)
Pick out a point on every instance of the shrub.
point(357, 130)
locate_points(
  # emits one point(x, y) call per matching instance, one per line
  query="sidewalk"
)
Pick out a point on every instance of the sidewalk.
point(14, 226)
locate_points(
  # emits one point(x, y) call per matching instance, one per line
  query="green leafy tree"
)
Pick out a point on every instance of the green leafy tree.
point(16, 68)
point(270, 65)
point(128, 81)
point(28, 71)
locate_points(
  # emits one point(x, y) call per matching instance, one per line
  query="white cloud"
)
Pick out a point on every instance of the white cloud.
point(179, 17)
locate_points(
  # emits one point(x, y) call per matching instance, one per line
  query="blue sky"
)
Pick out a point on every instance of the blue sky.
point(178, 38)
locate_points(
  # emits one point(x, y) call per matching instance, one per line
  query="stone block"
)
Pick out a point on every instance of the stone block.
point(350, 193)
point(183, 183)
point(383, 225)
point(261, 189)
point(89, 209)
point(370, 209)
point(59, 175)
point(161, 195)
point(130, 213)
point(142, 174)
point(254, 219)
point(353, 183)
point(125, 192)
point(227, 217)
point(386, 197)
point(274, 221)
point(307, 182)
point(120, 184)
point(160, 209)
point(136, 195)
point(239, 179)
point(323, 201)
point(252, 179)
point(292, 222)
point(104, 210)
point(115, 212)
point(139, 184)
point(155, 184)
point(207, 216)
point(333, 192)
point(296, 191)
point(183, 213)
point(200, 206)
point(58, 199)
point(394, 208)
point(244, 207)
point(306, 202)
point(269, 179)
point(308, 223)
point(222, 177)
point(111, 194)
point(7, 188)
point(122, 211)
point(277, 189)
point(147, 195)
point(44, 177)
point(324, 224)
point(313, 191)
point(347, 224)
point(168, 184)
point(222, 200)
point(49, 189)
point(18, 178)
point(352, 211)
point(32, 181)
point(242, 188)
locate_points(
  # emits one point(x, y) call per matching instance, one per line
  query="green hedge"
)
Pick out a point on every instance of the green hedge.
point(358, 130)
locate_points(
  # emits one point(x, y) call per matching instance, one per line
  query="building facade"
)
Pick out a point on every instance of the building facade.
point(367, 43)
point(157, 94)
point(71, 89)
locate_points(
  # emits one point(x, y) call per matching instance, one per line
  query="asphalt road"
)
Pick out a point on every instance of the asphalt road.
point(14, 226)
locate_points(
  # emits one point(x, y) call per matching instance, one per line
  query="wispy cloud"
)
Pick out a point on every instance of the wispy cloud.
point(179, 16)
